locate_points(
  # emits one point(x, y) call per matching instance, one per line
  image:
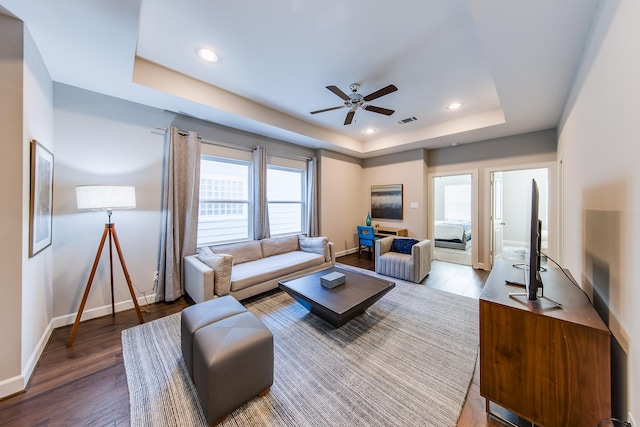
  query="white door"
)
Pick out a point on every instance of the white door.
point(497, 219)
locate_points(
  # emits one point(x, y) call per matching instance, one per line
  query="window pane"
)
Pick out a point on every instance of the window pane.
point(285, 195)
point(225, 207)
point(284, 185)
point(285, 218)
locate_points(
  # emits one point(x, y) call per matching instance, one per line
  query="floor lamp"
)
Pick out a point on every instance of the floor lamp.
point(107, 198)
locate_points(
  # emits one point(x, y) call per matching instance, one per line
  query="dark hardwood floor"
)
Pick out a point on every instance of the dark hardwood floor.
point(86, 385)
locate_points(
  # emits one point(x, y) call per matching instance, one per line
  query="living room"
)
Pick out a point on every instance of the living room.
point(94, 136)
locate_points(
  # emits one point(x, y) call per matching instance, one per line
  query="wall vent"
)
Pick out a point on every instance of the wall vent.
point(407, 120)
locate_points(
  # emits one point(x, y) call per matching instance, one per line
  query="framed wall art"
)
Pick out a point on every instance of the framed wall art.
point(41, 200)
point(386, 201)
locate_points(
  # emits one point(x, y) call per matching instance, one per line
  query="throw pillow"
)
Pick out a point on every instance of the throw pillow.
point(403, 246)
point(318, 245)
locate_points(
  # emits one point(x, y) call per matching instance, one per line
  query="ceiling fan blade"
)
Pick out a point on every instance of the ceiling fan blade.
point(327, 109)
point(349, 118)
point(338, 92)
point(379, 110)
point(381, 92)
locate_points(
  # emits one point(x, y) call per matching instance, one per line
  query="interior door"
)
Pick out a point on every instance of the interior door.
point(497, 219)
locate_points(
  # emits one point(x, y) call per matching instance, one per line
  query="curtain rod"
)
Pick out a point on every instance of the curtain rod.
point(241, 147)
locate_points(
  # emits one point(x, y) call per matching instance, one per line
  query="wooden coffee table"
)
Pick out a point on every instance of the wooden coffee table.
point(342, 303)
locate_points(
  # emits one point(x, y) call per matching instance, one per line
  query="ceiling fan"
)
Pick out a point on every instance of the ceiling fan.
point(356, 100)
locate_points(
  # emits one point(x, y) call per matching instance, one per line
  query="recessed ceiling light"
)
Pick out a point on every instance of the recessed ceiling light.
point(208, 55)
point(369, 131)
point(454, 105)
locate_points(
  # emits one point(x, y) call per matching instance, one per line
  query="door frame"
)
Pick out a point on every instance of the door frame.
point(474, 209)
point(552, 203)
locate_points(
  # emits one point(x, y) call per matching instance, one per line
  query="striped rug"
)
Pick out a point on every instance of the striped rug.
point(407, 361)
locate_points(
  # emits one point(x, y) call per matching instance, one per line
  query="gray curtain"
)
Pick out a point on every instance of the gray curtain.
point(180, 211)
point(260, 206)
point(313, 223)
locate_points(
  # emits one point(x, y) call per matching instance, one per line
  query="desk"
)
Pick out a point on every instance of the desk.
point(546, 364)
point(390, 231)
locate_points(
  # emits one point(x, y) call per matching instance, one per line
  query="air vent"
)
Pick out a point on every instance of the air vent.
point(407, 120)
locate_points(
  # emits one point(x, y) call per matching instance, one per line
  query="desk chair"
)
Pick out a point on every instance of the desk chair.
point(366, 239)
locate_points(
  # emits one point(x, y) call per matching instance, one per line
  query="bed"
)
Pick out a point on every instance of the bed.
point(453, 234)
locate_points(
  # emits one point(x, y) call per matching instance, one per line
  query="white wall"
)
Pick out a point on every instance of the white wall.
point(598, 147)
point(517, 202)
point(104, 140)
point(410, 170)
point(38, 270)
point(342, 204)
point(12, 206)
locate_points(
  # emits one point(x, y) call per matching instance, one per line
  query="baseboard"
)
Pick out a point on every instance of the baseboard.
point(19, 383)
point(347, 252)
point(105, 310)
point(515, 243)
point(12, 386)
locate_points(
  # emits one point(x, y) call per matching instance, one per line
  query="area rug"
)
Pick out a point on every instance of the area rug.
point(407, 361)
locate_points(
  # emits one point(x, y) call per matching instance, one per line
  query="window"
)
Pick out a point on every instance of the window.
point(225, 201)
point(286, 199)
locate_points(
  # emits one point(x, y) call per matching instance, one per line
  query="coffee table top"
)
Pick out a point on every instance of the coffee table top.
point(337, 304)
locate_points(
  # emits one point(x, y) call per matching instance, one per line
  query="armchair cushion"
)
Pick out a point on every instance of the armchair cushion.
point(403, 246)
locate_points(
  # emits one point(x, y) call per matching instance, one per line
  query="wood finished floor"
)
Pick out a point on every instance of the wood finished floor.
point(86, 384)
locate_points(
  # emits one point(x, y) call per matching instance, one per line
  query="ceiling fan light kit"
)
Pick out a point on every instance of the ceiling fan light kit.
point(356, 100)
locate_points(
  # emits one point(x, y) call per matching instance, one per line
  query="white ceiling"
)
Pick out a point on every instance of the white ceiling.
point(511, 63)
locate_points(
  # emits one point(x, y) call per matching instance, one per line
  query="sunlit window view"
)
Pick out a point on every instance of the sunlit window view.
point(225, 201)
point(285, 195)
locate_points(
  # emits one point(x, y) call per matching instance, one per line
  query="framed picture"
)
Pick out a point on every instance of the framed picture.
point(41, 201)
point(386, 201)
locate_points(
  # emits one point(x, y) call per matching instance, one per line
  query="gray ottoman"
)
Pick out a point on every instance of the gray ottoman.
point(232, 364)
point(203, 314)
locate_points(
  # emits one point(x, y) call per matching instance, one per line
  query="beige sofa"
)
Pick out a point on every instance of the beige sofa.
point(249, 268)
point(403, 258)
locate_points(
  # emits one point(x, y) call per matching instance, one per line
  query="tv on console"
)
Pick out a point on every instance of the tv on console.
point(533, 279)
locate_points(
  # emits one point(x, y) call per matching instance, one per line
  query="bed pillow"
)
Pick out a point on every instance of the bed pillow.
point(403, 246)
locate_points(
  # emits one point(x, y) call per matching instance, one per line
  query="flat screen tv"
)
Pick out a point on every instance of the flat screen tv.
point(533, 279)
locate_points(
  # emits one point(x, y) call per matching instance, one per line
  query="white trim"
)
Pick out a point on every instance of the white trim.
point(19, 383)
point(105, 310)
point(12, 386)
point(475, 185)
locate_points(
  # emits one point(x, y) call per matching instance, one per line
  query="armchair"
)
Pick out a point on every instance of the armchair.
point(412, 265)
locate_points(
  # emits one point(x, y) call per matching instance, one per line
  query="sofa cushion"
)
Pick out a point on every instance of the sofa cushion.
point(268, 268)
point(241, 252)
point(279, 245)
point(318, 245)
point(403, 246)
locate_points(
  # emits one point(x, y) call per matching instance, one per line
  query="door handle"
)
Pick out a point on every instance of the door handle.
point(503, 223)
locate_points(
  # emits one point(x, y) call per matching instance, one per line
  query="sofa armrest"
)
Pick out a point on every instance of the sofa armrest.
point(204, 280)
point(332, 251)
point(421, 254)
point(383, 246)
point(198, 279)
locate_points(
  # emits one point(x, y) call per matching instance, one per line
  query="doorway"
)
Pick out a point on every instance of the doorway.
point(452, 214)
point(510, 211)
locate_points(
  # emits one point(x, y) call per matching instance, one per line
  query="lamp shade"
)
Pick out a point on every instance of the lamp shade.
point(106, 197)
